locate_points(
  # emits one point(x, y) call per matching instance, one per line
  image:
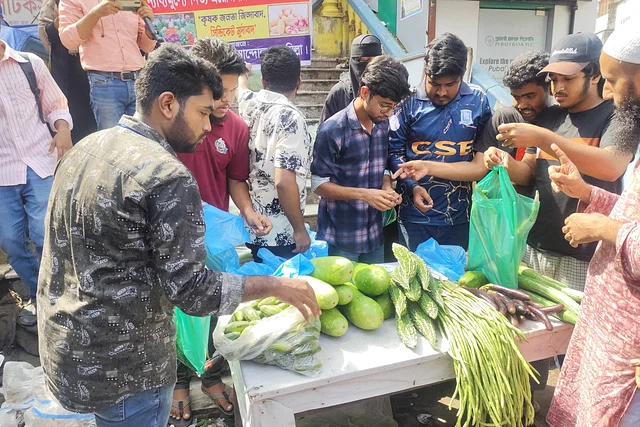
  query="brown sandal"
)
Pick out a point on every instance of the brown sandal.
point(180, 405)
point(221, 395)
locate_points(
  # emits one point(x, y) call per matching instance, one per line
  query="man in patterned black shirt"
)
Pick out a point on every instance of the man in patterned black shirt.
point(125, 243)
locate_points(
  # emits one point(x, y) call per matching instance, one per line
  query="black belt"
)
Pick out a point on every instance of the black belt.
point(123, 75)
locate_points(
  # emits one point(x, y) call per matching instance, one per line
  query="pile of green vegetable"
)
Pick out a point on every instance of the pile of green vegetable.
point(286, 340)
point(492, 376)
point(345, 294)
point(416, 296)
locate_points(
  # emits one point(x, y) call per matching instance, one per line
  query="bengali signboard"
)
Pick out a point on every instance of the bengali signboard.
point(250, 25)
point(18, 12)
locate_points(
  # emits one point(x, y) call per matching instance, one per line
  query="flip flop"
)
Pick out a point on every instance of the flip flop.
point(221, 395)
point(180, 405)
point(28, 316)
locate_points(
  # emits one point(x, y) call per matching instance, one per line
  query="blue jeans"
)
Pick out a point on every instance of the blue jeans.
point(149, 408)
point(412, 234)
point(22, 211)
point(110, 99)
point(375, 257)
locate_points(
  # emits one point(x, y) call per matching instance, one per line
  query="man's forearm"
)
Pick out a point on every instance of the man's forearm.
point(520, 173)
point(289, 197)
point(459, 171)
point(86, 24)
point(258, 287)
point(239, 191)
point(332, 191)
point(593, 161)
point(386, 182)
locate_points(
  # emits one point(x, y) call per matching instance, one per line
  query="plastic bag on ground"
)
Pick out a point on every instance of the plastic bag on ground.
point(48, 413)
point(284, 339)
point(25, 390)
point(500, 223)
point(375, 412)
point(446, 259)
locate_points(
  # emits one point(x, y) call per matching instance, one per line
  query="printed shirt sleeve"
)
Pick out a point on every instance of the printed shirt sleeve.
point(238, 167)
point(293, 143)
point(245, 97)
point(628, 250)
point(54, 103)
point(176, 236)
point(398, 140)
point(602, 202)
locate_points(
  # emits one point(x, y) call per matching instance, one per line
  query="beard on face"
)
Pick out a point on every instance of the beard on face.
point(625, 126)
point(180, 137)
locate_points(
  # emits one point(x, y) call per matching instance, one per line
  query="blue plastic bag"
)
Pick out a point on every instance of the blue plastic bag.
point(445, 259)
point(221, 253)
point(299, 265)
point(318, 248)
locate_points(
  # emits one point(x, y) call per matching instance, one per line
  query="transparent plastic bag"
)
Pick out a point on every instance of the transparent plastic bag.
point(8, 416)
point(285, 339)
point(48, 413)
point(25, 390)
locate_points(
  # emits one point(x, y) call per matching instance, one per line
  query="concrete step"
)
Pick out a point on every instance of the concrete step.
point(310, 111)
point(318, 84)
point(320, 73)
point(311, 96)
point(320, 62)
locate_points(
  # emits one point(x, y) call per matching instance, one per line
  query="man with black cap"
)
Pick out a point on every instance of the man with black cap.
point(579, 125)
point(364, 48)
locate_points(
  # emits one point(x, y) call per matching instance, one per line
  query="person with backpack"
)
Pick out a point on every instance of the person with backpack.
point(32, 108)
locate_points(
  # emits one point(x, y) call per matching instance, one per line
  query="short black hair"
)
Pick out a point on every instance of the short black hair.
point(525, 68)
point(593, 69)
point(386, 77)
point(221, 54)
point(170, 68)
point(445, 56)
point(280, 68)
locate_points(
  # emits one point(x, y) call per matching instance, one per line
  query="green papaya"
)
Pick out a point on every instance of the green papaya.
point(345, 294)
point(333, 323)
point(372, 280)
point(334, 270)
point(363, 312)
point(326, 295)
point(357, 266)
point(384, 301)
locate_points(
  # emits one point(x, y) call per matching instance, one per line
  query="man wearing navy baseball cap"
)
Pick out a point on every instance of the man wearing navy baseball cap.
point(573, 53)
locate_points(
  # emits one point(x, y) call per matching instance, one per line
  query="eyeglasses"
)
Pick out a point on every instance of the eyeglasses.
point(383, 109)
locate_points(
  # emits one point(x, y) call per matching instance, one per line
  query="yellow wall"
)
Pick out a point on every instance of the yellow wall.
point(335, 25)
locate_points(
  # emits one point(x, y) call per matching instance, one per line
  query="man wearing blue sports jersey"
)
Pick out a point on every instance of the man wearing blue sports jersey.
point(432, 149)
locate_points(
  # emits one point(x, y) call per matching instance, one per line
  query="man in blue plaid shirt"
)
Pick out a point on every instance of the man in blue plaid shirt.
point(349, 161)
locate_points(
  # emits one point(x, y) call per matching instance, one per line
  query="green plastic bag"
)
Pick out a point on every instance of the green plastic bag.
point(500, 223)
point(192, 338)
point(389, 217)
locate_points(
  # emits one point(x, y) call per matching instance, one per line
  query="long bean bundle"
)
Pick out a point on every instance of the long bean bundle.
point(492, 376)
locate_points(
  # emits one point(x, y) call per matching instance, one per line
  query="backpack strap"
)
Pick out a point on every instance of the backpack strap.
point(29, 73)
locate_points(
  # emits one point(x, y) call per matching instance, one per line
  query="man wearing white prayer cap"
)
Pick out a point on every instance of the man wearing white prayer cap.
point(599, 382)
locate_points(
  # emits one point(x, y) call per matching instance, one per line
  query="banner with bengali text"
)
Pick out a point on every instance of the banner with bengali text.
point(250, 25)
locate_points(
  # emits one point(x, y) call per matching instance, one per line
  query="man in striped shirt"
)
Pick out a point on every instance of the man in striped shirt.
point(28, 158)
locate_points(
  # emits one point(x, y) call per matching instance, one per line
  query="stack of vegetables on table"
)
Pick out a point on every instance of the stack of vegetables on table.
point(537, 297)
point(492, 376)
point(478, 320)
